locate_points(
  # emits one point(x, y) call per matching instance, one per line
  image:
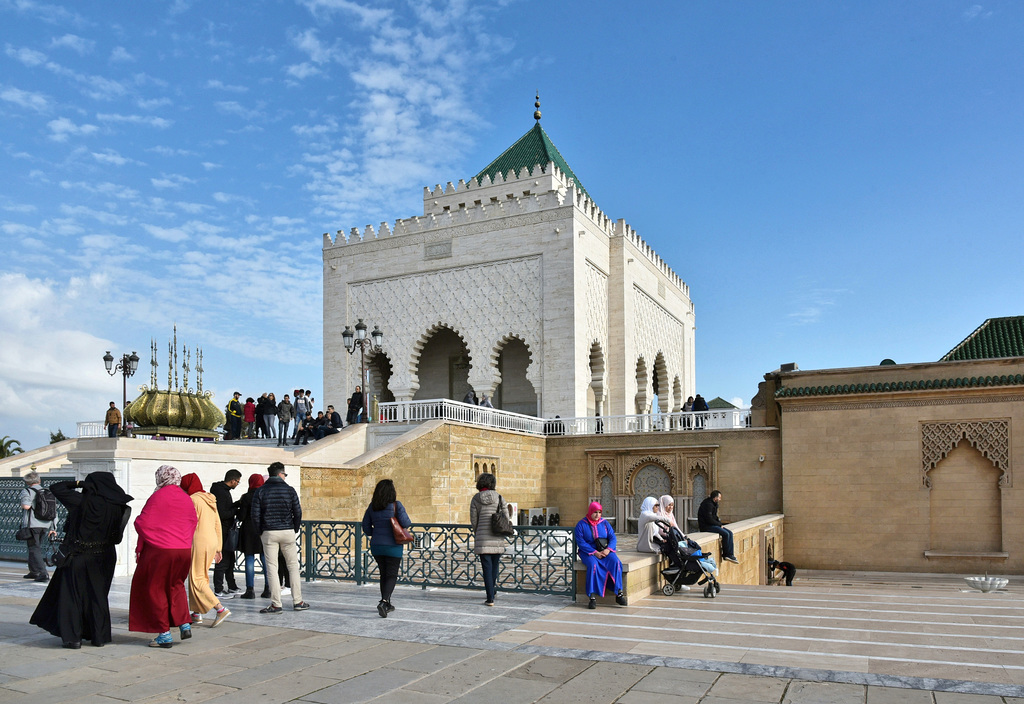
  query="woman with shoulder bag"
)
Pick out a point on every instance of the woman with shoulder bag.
point(74, 606)
point(489, 546)
point(386, 550)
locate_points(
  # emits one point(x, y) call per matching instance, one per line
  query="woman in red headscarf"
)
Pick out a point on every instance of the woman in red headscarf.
point(249, 540)
point(595, 540)
point(206, 545)
point(163, 553)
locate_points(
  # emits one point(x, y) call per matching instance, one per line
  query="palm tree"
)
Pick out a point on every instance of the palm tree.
point(9, 446)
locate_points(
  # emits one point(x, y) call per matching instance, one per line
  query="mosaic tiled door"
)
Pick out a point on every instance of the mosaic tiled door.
point(651, 480)
point(607, 494)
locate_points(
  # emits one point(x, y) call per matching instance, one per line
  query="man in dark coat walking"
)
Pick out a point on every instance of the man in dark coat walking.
point(225, 569)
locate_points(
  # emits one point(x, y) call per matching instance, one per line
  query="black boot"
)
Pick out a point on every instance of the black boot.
point(266, 591)
point(249, 594)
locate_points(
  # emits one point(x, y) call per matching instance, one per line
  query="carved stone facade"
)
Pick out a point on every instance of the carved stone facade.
point(989, 437)
point(518, 288)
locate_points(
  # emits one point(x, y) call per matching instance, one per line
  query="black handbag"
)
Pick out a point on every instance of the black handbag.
point(501, 524)
point(600, 544)
point(59, 554)
point(24, 533)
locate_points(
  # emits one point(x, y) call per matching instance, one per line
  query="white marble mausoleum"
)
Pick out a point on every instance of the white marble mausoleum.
point(514, 284)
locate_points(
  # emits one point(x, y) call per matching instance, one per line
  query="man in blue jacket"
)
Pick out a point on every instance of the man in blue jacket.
point(277, 515)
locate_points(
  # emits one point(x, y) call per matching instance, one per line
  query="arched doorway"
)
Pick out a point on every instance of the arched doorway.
point(641, 386)
point(443, 366)
point(515, 392)
point(660, 385)
point(595, 390)
point(378, 368)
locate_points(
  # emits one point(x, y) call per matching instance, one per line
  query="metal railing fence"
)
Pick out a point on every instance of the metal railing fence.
point(537, 559)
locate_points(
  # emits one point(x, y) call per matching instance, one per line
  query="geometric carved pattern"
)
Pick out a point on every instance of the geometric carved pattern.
point(990, 437)
point(652, 480)
point(665, 463)
point(596, 298)
point(482, 303)
point(656, 330)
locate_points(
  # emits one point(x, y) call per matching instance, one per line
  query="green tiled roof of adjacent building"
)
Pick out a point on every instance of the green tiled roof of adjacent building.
point(532, 149)
point(887, 387)
point(994, 339)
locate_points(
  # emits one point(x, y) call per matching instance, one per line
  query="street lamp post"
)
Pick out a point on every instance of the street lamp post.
point(127, 367)
point(358, 339)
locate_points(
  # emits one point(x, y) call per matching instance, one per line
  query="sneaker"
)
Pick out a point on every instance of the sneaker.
point(236, 590)
point(488, 603)
point(221, 615)
point(272, 610)
point(683, 588)
point(163, 640)
point(731, 559)
point(382, 609)
point(185, 630)
point(197, 618)
point(301, 606)
point(286, 590)
point(390, 607)
point(224, 594)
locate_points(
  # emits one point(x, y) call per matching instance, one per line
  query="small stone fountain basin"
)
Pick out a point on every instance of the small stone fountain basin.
point(987, 584)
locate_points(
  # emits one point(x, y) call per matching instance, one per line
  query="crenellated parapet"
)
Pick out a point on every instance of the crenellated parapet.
point(622, 229)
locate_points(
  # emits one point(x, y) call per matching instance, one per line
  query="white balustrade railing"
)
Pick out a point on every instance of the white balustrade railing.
point(444, 409)
point(91, 429)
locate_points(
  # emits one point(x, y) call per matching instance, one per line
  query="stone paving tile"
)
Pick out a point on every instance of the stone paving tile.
point(669, 680)
point(824, 693)
point(363, 661)
point(605, 682)
point(550, 669)
point(352, 644)
point(635, 697)
point(516, 636)
point(64, 678)
point(895, 695)
point(364, 687)
point(404, 696)
point(434, 659)
point(159, 685)
point(194, 693)
point(962, 698)
point(40, 668)
point(276, 691)
point(463, 676)
point(55, 695)
point(749, 688)
point(264, 671)
point(810, 660)
point(508, 690)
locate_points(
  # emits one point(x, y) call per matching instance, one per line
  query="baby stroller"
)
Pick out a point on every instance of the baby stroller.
point(684, 565)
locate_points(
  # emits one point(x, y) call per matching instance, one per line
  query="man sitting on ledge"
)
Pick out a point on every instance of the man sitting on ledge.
point(707, 521)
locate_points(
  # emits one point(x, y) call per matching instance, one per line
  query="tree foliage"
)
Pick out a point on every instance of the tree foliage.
point(58, 436)
point(9, 446)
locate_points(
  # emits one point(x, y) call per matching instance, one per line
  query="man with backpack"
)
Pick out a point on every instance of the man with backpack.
point(39, 515)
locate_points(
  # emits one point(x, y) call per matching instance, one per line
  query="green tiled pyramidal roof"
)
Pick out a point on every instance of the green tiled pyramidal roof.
point(994, 339)
point(532, 149)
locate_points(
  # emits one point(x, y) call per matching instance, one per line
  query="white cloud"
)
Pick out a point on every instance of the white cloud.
point(96, 87)
point(153, 103)
point(167, 234)
point(368, 17)
point(26, 99)
point(102, 216)
point(171, 181)
point(230, 198)
point(303, 71)
point(219, 85)
point(171, 151)
point(120, 54)
point(813, 305)
point(62, 128)
point(232, 107)
point(105, 189)
point(158, 122)
point(29, 57)
point(20, 208)
point(976, 12)
point(73, 42)
point(112, 157)
point(210, 166)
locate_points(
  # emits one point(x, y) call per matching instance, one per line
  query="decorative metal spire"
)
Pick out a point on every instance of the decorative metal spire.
point(184, 366)
point(176, 387)
point(153, 363)
point(199, 370)
point(536, 113)
point(170, 360)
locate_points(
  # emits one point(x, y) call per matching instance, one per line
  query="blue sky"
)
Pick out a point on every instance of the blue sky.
point(837, 182)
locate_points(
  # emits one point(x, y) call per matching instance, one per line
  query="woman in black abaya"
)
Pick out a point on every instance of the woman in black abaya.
point(74, 606)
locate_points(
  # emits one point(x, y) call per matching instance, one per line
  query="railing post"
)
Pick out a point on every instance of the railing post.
point(359, 554)
point(307, 539)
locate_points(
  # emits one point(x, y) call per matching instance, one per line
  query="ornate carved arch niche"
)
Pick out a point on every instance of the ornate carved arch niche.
point(989, 437)
point(664, 462)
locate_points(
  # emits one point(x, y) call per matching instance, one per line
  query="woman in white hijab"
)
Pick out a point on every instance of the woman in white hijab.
point(668, 511)
point(647, 528)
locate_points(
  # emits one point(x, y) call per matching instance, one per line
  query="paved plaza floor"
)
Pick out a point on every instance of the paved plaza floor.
point(833, 637)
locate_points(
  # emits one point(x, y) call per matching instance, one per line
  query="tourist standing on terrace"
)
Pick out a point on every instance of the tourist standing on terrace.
point(74, 607)
point(385, 550)
point(163, 555)
point(355, 406)
point(206, 544)
point(270, 415)
point(113, 420)
point(278, 518)
point(486, 544)
point(249, 541)
point(284, 417)
point(235, 417)
point(302, 409)
point(708, 522)
point(595, 540)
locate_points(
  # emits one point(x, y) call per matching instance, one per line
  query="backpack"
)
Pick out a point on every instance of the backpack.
point(501, 524)
point(44, 506)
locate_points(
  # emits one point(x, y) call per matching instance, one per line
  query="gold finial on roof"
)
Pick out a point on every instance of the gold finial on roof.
point(536, 113)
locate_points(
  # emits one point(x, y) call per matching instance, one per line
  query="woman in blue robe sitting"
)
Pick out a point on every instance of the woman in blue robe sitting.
point(596, 543)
